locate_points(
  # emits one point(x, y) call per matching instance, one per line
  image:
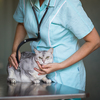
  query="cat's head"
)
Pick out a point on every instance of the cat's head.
point(44, 57)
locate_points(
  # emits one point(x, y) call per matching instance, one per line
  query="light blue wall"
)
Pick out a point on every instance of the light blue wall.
point(7, 31)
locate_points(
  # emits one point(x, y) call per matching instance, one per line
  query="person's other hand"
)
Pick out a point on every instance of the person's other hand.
point(13, 61)
point(46, 69)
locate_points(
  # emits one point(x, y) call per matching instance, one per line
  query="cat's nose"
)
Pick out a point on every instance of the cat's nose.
point(43, 61)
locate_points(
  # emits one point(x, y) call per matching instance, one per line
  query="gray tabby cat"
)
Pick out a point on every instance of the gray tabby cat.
point(27, 65)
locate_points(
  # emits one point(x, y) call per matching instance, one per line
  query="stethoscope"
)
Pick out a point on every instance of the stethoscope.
point(38, 34)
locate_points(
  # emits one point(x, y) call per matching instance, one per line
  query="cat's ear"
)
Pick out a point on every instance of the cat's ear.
point(36, 51)
point(50, 50)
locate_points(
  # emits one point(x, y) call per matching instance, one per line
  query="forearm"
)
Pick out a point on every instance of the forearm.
point(91, 44)
point(85, 50)
point(19, 36)
point(96, 47)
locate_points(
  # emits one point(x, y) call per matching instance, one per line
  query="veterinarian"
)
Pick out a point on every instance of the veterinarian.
point(63, 25)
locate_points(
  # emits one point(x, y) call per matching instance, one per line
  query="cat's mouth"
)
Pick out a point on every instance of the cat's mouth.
point(41, 63)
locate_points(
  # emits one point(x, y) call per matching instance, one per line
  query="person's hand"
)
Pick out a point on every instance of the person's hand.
point(46, 69)
point(13, 61)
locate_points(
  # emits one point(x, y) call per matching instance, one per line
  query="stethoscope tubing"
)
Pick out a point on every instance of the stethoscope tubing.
point(32, 39)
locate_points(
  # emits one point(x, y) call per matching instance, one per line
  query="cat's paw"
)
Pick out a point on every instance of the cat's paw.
point(11, 80)
point(36, 81)
point(48, 81)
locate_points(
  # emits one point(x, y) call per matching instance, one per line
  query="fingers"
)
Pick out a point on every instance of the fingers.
point(12, 60)
point(19, 55)
point(39, 65)
point(9, 65)
point(44, 69)
point(46, 66)
point(39, 71)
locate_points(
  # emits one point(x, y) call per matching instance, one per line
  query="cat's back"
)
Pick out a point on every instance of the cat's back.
point(25, 55)
point(27, 59)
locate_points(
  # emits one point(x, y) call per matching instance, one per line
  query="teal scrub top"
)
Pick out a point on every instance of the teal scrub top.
point(64, 24)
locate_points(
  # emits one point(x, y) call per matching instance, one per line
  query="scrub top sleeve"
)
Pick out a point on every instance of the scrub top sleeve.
point(78, 21)
point(19, 15)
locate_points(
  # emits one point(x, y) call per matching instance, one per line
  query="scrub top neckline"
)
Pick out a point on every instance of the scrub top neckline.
point(36, 4)
point(45, 3)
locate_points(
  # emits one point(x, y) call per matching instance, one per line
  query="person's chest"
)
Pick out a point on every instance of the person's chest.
point(54, 24)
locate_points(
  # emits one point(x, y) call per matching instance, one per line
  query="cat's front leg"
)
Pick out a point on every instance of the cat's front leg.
point(48, 81)
point(11, 75)
point(12, 80)
point(36, 81)
point(34, 78)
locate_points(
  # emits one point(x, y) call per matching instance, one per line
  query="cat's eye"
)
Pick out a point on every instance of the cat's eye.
point(47, 57)
point(40, 58)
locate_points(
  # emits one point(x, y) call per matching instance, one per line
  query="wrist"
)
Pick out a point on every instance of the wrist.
point(14, 49)
point(60, 66)
point(63, 65)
